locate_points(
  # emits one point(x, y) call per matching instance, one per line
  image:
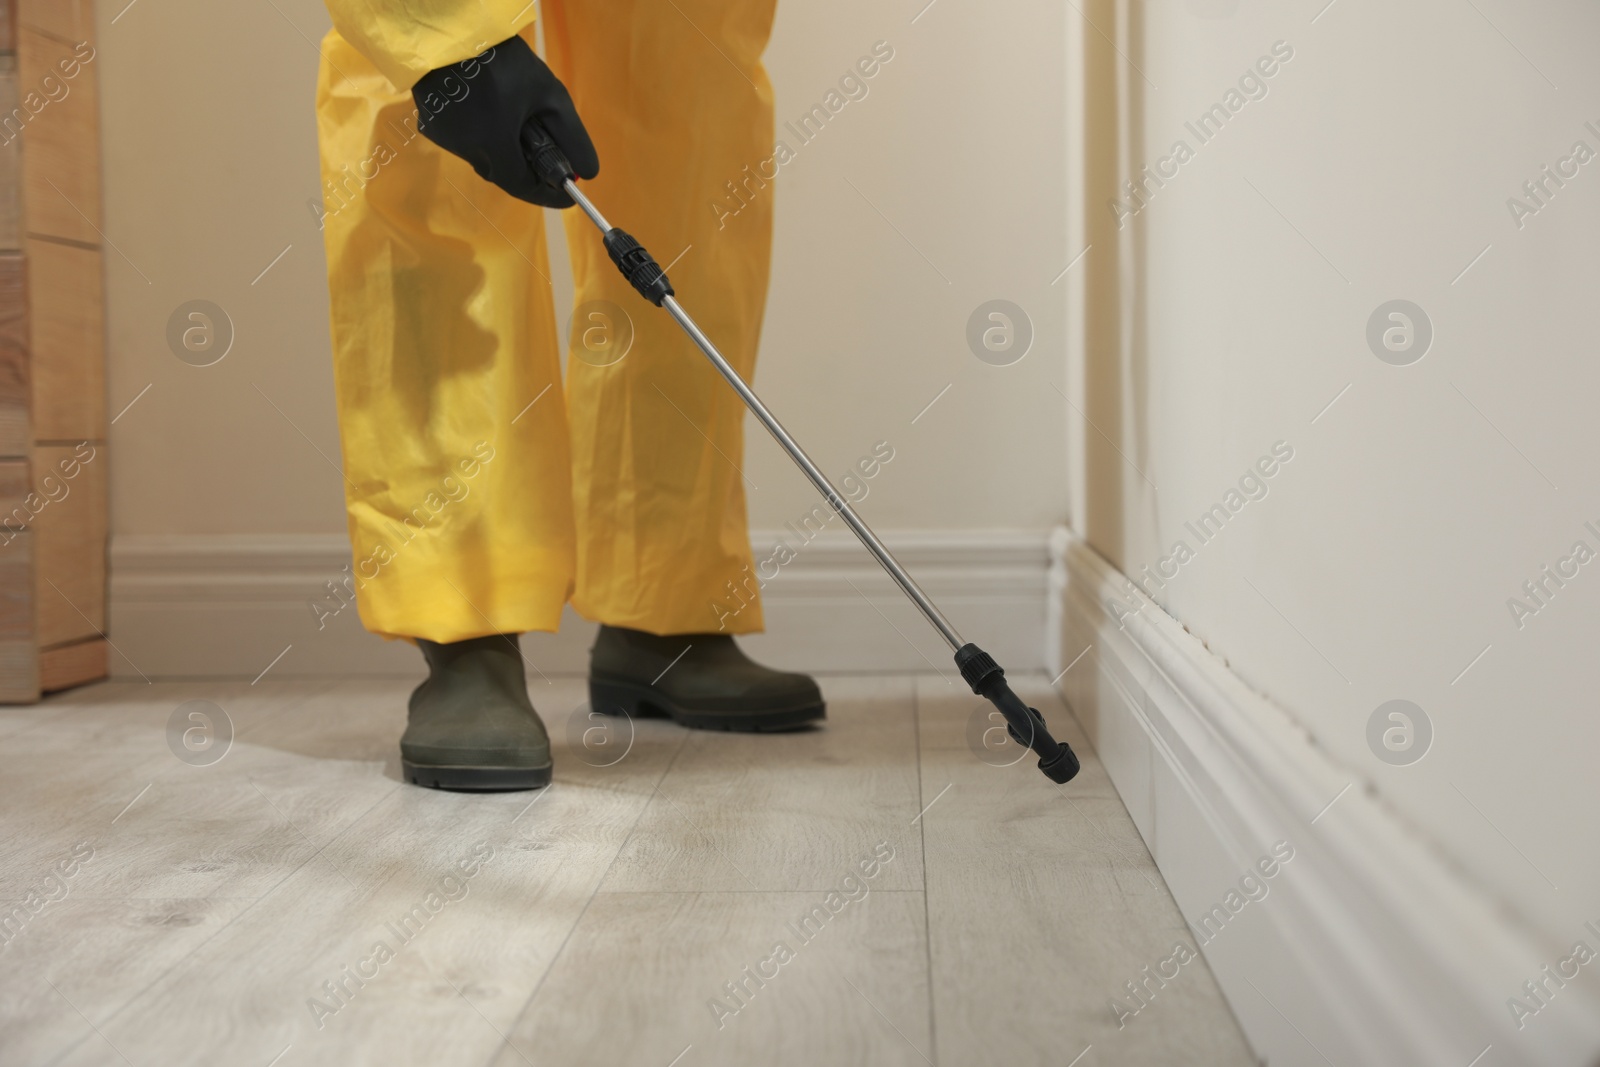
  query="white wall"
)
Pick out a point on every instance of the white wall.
point(210, 158)
point(1380, 564)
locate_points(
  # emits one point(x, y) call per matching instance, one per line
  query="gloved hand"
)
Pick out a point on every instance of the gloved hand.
point(477, 108)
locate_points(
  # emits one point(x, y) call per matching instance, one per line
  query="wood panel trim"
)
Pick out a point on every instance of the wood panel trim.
point(73, 664)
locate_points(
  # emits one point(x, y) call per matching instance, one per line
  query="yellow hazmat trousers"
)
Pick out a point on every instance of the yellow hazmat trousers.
point(481, 494)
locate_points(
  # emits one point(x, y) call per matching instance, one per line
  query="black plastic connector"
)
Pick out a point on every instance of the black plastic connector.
point(1025, 725)
point(544, 157)
point(975, 665)
point(638, 266)
point(632, 259)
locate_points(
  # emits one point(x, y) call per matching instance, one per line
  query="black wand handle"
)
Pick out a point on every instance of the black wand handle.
point(544, 157)
point(1024, 724)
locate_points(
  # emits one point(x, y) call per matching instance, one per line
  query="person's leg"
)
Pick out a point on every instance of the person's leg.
point(454, 433)
point(456, 458)
point(678, 104)
point(679, 107)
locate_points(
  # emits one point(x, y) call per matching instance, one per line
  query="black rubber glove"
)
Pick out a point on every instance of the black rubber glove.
point(477, 109)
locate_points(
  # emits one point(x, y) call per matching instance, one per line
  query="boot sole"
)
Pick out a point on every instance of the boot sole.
point(627, 698)
point(461, 779)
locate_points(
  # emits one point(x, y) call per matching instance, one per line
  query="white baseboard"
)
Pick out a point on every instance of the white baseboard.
point(225, 606)
point(1371, 946)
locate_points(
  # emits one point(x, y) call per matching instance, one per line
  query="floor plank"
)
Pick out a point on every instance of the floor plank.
point(340, 884)
point(103, 760)
point(78, 958)
point(1042, 902)
point(640, 982)
point(231, 912)
point(785, 811)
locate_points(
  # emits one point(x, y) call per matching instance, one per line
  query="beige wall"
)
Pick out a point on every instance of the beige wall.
point(211, 158)
point(1231, 311)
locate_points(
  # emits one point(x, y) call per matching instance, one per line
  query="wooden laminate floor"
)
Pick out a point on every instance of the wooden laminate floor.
point(867, 893)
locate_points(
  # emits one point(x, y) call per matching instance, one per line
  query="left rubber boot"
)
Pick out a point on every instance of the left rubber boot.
point(471, 726)
point(702, 681)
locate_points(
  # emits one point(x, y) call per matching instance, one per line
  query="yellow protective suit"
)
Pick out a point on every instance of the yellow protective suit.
point(481, 494)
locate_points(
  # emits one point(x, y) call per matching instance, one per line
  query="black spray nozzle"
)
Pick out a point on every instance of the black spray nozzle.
point(544, 157)
point(1025, 725)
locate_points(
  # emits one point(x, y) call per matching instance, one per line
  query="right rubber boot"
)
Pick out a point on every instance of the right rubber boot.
point(472, 727)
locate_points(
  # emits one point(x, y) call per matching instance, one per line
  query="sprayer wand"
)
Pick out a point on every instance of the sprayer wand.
point(1025, 725)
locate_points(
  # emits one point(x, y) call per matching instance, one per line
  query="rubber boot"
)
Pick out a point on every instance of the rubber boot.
point(472, 727)
point(701, 681)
